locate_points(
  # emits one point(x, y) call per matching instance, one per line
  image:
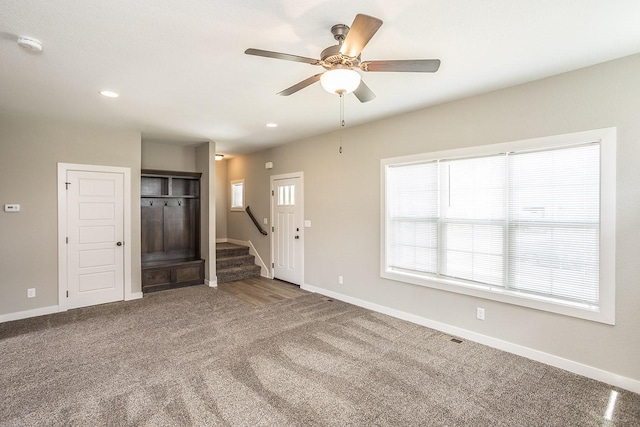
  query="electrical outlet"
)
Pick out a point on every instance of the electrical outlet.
point(480, 313)
point(340, 280)
point(31, 293)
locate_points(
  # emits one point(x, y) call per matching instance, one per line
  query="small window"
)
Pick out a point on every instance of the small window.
point(237, 195)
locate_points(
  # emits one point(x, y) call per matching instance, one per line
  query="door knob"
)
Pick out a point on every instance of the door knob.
point(119, 243)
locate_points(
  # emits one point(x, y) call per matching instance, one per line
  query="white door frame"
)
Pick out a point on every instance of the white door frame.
point(273, 206)
point(62, 227)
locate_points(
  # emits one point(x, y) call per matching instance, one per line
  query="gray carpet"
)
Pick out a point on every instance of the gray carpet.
point(198, 356)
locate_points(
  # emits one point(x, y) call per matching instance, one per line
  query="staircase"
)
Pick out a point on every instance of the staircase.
point(233, 262)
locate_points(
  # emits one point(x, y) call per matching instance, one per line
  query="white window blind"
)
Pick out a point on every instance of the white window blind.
point(413, 217)
point(472, 219)
point(526, 223)
point(554, 216)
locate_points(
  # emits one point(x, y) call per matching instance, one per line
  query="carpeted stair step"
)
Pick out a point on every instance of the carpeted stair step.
point(225, 250)
point(238, 273)
point(233, 262)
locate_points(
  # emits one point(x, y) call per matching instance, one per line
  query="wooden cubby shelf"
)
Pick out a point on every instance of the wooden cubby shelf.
point(170, 228)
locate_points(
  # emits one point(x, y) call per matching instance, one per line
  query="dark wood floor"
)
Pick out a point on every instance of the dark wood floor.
point(260, 291)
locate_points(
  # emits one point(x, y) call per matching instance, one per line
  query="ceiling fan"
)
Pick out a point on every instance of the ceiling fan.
point(343, 59)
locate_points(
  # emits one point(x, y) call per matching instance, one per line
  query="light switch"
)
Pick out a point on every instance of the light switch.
point(265, 221)
point(12, 208)
point(307, 223)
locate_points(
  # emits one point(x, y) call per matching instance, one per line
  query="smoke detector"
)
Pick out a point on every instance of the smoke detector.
point(30, 43)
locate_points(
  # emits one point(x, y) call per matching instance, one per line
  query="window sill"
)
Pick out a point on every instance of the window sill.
point(581, 311)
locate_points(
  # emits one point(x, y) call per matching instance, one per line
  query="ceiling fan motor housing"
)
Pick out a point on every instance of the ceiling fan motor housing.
point(332, 58)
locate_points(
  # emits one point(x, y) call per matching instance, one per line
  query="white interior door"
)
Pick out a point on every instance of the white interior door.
point(288, 232)
point(95, 251)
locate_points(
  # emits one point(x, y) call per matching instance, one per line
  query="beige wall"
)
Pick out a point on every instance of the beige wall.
point(221, 199)
point(342, 199)
point(156, 155)
point(256, 192)
point(30, 149)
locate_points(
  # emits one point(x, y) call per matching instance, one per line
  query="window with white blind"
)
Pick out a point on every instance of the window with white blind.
point(530, 222)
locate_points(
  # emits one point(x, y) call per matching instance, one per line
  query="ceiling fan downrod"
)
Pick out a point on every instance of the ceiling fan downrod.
point(339, 32)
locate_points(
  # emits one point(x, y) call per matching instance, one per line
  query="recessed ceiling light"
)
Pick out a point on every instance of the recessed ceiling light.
point(272, 125)
point(219, 156)
point(109, 94)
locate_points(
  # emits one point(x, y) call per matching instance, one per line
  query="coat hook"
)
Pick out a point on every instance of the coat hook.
point(179, 202)
point(166, 203)
point(151, 203)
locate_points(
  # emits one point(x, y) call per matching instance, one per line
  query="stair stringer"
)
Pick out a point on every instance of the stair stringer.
point(264, 271)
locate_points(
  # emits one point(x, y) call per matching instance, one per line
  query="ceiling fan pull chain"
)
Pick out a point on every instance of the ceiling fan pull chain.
point(342, 109)
point(341, 119)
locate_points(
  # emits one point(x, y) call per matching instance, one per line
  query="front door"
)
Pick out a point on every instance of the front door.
point(95, 253)
point(287, 232)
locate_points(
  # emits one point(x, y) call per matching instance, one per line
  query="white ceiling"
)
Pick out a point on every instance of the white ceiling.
point(182, 74)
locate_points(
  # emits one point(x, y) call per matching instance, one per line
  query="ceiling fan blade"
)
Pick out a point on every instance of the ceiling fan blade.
point(278, 55)
point(361, 31)
point(296, 87)
point(363, 93)
point(409, 65)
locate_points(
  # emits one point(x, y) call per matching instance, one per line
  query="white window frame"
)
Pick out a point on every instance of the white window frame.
point(231, 199)
point(605, 312)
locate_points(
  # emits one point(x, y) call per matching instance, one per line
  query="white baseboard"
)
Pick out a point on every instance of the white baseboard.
point(237, 242)
point(539, 356)
point(51, 309)
point(132, 296)
point(222, 240)
point(264, 271)
point(211, 283)
point(29, 313)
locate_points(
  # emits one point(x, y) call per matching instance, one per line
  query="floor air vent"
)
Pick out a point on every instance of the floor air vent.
point(449, 338)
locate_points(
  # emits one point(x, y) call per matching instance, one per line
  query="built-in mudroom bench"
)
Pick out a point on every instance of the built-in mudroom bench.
point(170, 228)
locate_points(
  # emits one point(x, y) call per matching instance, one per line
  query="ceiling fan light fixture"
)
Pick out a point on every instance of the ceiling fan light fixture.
point(340, 81)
